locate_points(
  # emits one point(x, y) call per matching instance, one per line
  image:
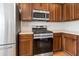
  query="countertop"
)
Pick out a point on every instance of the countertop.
point(66, 31)
point(28, 32)
point(53, 31)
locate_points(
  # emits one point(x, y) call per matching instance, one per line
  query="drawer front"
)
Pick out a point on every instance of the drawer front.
point(57, 34)
point(70, 35)
point(25, 36)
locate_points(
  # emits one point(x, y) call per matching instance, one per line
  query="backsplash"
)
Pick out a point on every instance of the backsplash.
point(53, 26)
point(27, 26)
point(71, 26)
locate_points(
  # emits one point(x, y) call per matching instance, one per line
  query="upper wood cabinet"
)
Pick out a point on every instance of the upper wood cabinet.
point(58, 12)
point(40, 6)
point(58, 16)
point(68, 12)
point(55, 12)
point(26, 11)
point(76, 11)
point(71, 11)
point(52, 12)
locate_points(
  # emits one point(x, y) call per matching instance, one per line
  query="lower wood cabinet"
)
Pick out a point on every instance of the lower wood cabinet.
point(71, 44)
point(57, 42)
point(25, 45)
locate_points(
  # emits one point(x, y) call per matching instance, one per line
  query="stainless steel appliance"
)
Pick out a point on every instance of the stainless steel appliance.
point(8, 29)
point(40, 15)
point(42, 41)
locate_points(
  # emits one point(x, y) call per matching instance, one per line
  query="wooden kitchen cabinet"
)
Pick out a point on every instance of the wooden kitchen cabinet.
point(70, 44)
point(57, 42)
point(52, 12)
point(58, 13)
point(68, 12)
point(40, 6)
point(55, 12)
point(26, 11)
point(76, 11)
point(77, 46)
point(25, 44)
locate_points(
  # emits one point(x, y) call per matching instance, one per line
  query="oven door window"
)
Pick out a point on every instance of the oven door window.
point(38, 15)
point(42, 46)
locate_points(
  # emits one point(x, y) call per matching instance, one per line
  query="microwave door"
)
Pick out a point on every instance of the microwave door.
point(38, 16)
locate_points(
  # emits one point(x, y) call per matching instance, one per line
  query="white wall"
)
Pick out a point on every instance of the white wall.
point(71, 26)
point(27, 26)
point(53, 26)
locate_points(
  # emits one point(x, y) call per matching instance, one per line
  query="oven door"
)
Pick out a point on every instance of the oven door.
point(42, 46)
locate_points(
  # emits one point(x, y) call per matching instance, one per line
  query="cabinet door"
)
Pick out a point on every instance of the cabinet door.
point(55, 12)
point(58, 12)
point(52, 12)
point(68, 12)
point(57, 43)
point(44, 6)
point(25, 47)
point(26, 11)
point(36, 6)
point(76, 11)
point(40, 6)
point(70, 45)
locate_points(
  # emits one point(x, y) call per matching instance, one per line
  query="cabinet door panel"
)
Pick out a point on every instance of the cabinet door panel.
point(57, 43)
point(40, 6)
point(25, 47)
point(58, 13)
point(36, 6)
point(55, 12)
point(26, 11)
point(70, 46)
point(76, 11)
point(52, 12)
point(44, 6)
point(68, 12)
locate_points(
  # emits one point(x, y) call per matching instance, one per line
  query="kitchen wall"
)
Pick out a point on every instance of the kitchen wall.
point(53, 26)
point(27, 26)
point(71, 26)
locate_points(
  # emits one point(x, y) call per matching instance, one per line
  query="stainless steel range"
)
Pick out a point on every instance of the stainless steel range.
point(42, 41)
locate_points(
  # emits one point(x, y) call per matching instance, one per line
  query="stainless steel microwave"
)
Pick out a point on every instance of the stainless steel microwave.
point(40, 15)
